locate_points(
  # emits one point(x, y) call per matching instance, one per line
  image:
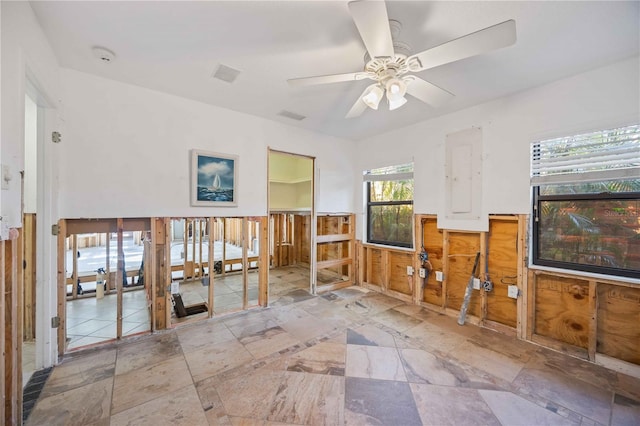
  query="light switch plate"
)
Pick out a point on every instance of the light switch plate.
point(439, 276)
point(512, 292)
point(476, 284)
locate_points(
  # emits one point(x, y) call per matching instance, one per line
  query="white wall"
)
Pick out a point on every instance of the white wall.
point(125, 152)
point(598, 99)
point(29, 65)
point(25, 51)
point(30, 155)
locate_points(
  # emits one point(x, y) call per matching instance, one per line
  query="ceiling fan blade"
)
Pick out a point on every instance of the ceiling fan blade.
point(372, 22)
point(486, 40)
point(427, 92)
point(324, 79)
point(358, 108)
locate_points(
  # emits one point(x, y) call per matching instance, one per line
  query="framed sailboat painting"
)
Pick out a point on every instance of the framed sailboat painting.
point(214, 178)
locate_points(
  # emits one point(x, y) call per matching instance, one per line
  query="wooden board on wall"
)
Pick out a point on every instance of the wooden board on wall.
point(433, 240)
point(503, 270)
point(618, 320)
point(398, 278)
point(29, 248)
point(462, 253)
point(562, 309)
point(161, 266)
point(374, 273)
point(302, 240)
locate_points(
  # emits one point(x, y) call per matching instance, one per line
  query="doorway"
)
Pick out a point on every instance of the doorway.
point(29, 203)
point(292, 217)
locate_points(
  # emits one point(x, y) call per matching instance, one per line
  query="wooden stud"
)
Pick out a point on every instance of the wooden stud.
point(263, 279)
point(185, 248)
point(153, 267)
point(211, 261)
point(194, 226)
point(74, 262)
point(29, 276)
point(108, 266)
point(166, 277)
point(201, 223)
point(245, 264)
point(530, 324)
point(62, 287)
point(19, 314)
point(593, 320)
point(352, 248)
point(119, 278)
point(522, 304)
point(445, 267)
point(224, 246)
point(484, 236)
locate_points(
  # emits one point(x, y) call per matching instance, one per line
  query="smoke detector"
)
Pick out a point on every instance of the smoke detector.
point(102, 54)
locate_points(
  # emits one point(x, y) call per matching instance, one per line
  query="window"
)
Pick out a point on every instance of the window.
point(586, 192)
point(389, 193)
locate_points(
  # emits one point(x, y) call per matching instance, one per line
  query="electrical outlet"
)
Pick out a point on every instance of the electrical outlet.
point(409, 270)
point(439, 276)
point(422, 272)
point(476, 284)
point(512, 292)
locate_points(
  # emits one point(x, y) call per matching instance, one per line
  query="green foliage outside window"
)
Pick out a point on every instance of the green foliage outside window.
point(390, 212)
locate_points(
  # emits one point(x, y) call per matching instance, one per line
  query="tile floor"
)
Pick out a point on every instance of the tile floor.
point(91, 320)
point(347, 357)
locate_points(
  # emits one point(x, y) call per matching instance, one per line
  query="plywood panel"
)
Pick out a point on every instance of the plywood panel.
point(374, 268)
point(503, 270)
point(398, 278)
point(29, 276)
point(302, 240)
point(618, 319)
point(562, 309)
point(433, 240)
point(462, 254)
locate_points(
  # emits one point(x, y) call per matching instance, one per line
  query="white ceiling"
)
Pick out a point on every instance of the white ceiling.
point(175, 47)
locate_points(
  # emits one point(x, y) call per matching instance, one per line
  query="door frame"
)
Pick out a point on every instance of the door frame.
point(314, 215)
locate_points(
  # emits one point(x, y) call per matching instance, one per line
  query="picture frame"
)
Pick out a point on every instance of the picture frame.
point(214, 179)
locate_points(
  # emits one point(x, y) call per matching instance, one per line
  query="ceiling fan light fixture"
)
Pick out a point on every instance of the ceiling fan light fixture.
point(396, 88)
point(396, 103)
point(373, 96)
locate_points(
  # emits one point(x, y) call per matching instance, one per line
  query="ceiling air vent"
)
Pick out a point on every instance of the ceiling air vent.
point(292, 115)
point(226, 73)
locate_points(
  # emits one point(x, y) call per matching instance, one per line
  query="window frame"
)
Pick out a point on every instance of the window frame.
point(371, 204)
point(604, 155)
point(536, 230)
point(393, 173)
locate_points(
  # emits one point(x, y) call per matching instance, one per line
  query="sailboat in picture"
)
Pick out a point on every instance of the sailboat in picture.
point(214, 179)
point(216, 183)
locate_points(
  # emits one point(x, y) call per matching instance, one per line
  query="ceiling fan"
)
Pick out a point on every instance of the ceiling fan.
point(388, 61)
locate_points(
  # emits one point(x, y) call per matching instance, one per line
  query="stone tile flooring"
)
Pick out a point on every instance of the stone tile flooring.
point(348, 357)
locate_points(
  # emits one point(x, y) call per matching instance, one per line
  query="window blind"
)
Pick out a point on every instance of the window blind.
point(604, 155)
point(400, 172)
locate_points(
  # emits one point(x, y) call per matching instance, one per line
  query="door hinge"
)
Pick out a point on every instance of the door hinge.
point(55, 229)
point(55, 322)
point(56, 137)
